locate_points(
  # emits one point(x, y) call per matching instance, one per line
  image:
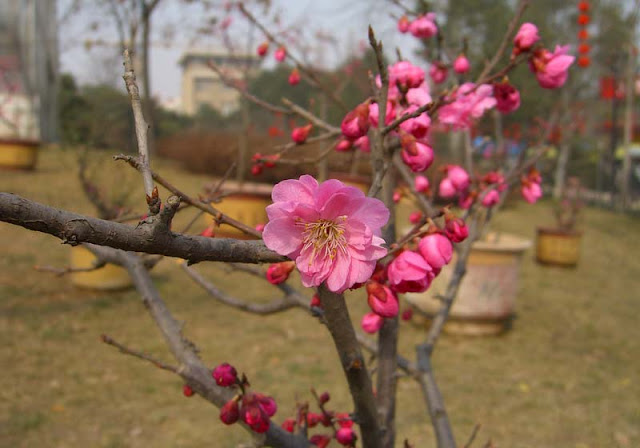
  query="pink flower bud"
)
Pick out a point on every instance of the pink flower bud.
point(382, 300)
point(415, 217)
point(526, 36)
point(446, 189)
point(229, 413)
point(267, 404)
point(343, 145)
point(320, 440)
point(424, 26)
point(187, 391)
point(418, 126)
point(465, 200)
point(461, 65)
point(259, 227)
point(436, 249)
point(397, 196)
point(356, 123)
point(324, 398)
point(294, 77)
point(279, 272)
point(313, 419)
point(344, 420)
point(459, 177)
point(491, 198)
point(253, 414)
point(346, 436)
point(262, 49)
point(371, 323)
point(404, 75)
point(421, 184)
point(403, 24)
point(438, 72)
point(374, 112)
point(256, 169)
point(315, 301)
point(409, 272)
point(531, 192)
point(289, 425)
point(507, 97)
point(455, 229)
point(300, 134)
point(208, 232)
point(280, 54)
point(422, 159)
point(225, 375)
point(363, 144)
point(407, 314)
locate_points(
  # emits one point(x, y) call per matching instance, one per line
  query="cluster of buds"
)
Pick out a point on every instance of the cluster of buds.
point(261, 161)
point(279, 55)
point(423, 26)
point(253, 408)
point(494, 183)
point(455, 182)
point(411, 271)
point(530, 186)
point(340, 422)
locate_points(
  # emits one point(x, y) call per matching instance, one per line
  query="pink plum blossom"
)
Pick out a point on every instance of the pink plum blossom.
point(446, 189)
point(491, 198)
point(424, 26)
point(331, 230)
point(418, 126)
point(459, 177)
point(403, 24)
point(526, 36)
point(436, 249)
point(418, 156)
point(409, 272)
point(421, 184)
point(468, 103)
point(551, 69)
point(438, 72)
point(280, 54)
point(461, 65)
point(455, 229)
point(356, 123)
point(371, 322)
point(405, 75)
point(531, 192)
point(419, 96)
point(507, 97)
point(382, 300)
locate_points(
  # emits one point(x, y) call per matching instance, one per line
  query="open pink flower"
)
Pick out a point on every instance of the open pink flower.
point(419, 96)
point(551, 69)
point(329, 229)
point(531, 191)
point(469, 103)
point(409, 272)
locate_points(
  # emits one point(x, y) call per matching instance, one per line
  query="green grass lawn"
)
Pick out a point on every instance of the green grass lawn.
point(566, 375)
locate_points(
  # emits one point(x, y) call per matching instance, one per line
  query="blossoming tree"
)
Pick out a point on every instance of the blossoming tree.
point(336, 237)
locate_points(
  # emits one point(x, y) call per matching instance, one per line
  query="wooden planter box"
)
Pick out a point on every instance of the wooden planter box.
point(486, 299)
point(557, 247)
point(108, 278)
point(18, 154)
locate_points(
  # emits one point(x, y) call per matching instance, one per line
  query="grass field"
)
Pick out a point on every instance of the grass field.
point(566, 375)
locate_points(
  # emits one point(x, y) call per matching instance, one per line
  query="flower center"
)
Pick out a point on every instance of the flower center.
point(324, 237)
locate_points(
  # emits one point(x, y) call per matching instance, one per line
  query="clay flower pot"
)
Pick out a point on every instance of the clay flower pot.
point(18, 153)
point(558, 247)
point(107, 278)
point(486, 299)
point(245, 203)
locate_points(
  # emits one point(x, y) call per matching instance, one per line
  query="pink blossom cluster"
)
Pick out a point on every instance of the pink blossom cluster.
point(530, 186)
point(410, 271)
point(493, 183)
point(466, 104)
point(423, 26)
point(340, 422)
point(456, 182)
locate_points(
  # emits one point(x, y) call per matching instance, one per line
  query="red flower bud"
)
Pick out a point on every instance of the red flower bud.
point(263, 48)
point(324, 398)
point(230, 412)
point(208, 232)
point(320, 440)
point(300, 134)
point(289, 425)
point(346, 436)
point(294, 77)
point(455, 229)
point(225, 375)
point(187, 391)
point(279, 272)
point(315, 301)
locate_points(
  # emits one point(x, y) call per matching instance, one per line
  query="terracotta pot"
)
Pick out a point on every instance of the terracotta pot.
point(558, 247)
point(246, 203)
point(486, 299)
point(107, 278)
point(18, 154)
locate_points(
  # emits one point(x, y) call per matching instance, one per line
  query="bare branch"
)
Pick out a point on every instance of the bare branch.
point(138, 354)
point(74, 229)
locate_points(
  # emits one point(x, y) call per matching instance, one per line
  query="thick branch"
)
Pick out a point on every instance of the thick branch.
point(344, 337)
point(74, 229)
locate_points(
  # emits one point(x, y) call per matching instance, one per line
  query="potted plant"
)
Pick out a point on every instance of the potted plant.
point(560, 245)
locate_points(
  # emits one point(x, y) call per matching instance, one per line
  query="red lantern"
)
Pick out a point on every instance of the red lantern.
point(583, 35)
point(583, 48)
point(607, 87)
point(583, 19)
point(584, 61)
point(583, 6)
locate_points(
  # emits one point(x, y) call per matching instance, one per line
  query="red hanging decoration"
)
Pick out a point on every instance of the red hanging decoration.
point(584, 61)
point(583, 35)
point(583, 6)
point(607, 87)
point(583, 19)
point(583, 48)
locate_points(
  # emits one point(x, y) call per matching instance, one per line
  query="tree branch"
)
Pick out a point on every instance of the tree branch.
point(74, 229)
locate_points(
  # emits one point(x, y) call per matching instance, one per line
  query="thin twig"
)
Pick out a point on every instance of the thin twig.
point(473, 435)
point(110, 341)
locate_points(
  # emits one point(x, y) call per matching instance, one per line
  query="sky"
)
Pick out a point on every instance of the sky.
point(347, 21)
